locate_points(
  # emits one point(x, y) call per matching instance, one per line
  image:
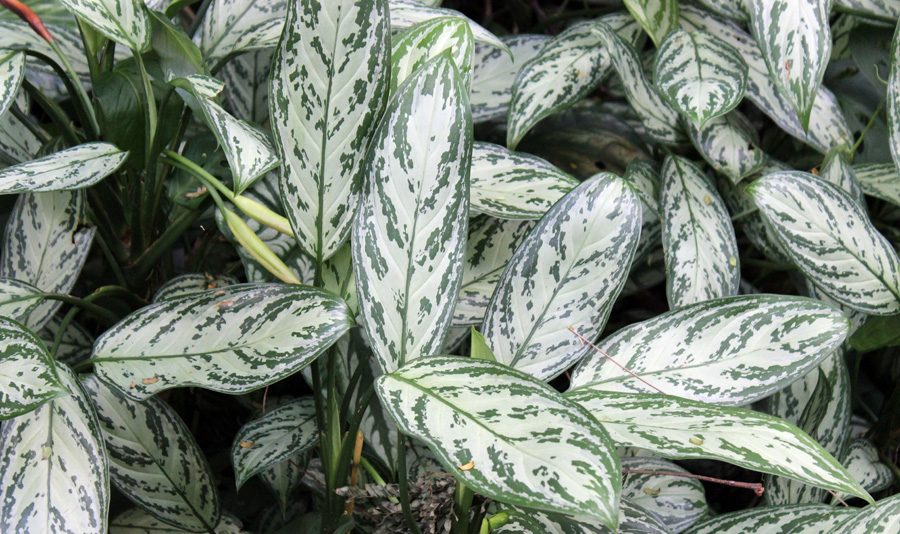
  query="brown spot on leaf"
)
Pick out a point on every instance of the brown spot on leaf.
point(467, 466)
point(152, 380)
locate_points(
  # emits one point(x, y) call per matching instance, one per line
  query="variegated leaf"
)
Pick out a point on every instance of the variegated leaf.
point(246, 80)
point(893, 107)
point(54, 473)
point(827, 127)
point(566, 70)
point(274, 437)
point(819, 404)
point(231, 27)
point(16, 35)
point(879, 180)
point(633, 519)
point(795, 519)
point(700, 75)
point(154, 459)
point(178, 55)
point(12, 72)
point(661, 122)
point(46, 244)
point(735, 10)
point(514, 185)
point(73, 168)
point(495, 72)
point(27, 373)
point(323, 121)
point(644, 179)
point(679, 502)
point(795, 40)
point(409, 237)
point(881, 9)
point(18, 144)
point(863, 463)
point(489, 247)
point(231, 340)
point(730, 351)
point(18, 299)
point(880, 518)
point(565, 275)
point(657, 17)
point(836, 169)
point(857, 318)
point(406, 13)
point(249, 153)
point(413, 47)
point(138, 521)
point(282, 478)
point(730, 145)
point(527, 445)
point(678, 428)
point(123, 21)
point(188, 284)
point(75, 344)
point(831, 240)
point(698, 237)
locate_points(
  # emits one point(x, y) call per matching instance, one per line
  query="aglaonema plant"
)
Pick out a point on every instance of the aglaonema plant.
point(248, 192)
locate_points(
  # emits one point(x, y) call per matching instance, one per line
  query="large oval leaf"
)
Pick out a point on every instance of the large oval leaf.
point(27, 373)
point(234, 26)
point(416, 45)
point(73, 168)
point(495, 71)
point(54, 472)
point(275, 436)
point(410, 235)
point(730, 145)
point(879, 180)
point(657, 17)
point(731, 351)
point(526, 444)
point(191, 283)
point(246, 90)
point(796, 519)
point(328, 89)
point(489, 247)
point(232, 340)
point(678, 428)
point(123, 21)
point(829, 238)
point(795, 39)
point(700, 75)
point(863, 463)
point(654, 485)
point(884, 516)
point(154, 459)
point(698, 237)
point(514, 185)
point(566, 274)
point(12, 72)
point(46, 244)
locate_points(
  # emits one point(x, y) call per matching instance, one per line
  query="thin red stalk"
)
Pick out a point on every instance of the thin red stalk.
point(755, 486)
point(608, 357)
point(25, 13)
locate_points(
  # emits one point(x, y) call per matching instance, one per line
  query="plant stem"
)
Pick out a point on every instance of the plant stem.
point(743, 214)
point(84, 304)
point(149, 257)
point(868, 127)
point(461, 506)
point(210, 181)
point(372, 472)
point(30, 123)
point(56, 114)
point(82, 95)
point(402, 477)
point(755, 486)
point(198, 18)
point(63, 325)
point(863, 14)
point(494, 522)
point(151, 106)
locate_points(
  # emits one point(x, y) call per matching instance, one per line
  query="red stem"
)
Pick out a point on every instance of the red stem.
point(755, 486)
point(25, 13)
point(608, 357)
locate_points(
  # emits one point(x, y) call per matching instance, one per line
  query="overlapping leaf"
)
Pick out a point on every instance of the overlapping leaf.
point(514, 185)
point(75, 344)
point(406, 13)
point(74, 168)
point(795, 519)
point(885, 517)
point(234, 26)
point(836, 169)
point(735, 10)
point(234, 339)
point(633, 519)
point(527, 445)
point(274, 437)
point(416, 45)
point(18, 299)
point(409, 239)
point(698, 237)
point(879, 180)
point(831, 240)
point(12, 72)
point(863, 463)
point(323, 121)
point(700, 75)
point(246, 80)
point(191, 283)
point(154, 459)
point(123, 21)
point(566, 274)
point(678, 501)
point(680, 428)
point(731, 351)
point(138, 521)
point(54, 473)
point(657, 17)
point(495, 71)
point(27, 373)
point(730, 145)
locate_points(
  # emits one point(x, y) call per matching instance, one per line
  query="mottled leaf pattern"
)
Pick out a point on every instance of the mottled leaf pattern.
point(123, 21)
point(18, 299)
point(27, 373)
point(76, 342)
point(735, 10)
point(863, 463)
point(54, 473)
point(409, 239)
point(644, 179)
point(233, 340)
point(246, 80)
point(45, 244)
point(731, 351)
point(495, 71)
point(137, 521)
point(566, 274)
point(633, 519)
point(234, 26)
point(879, 180)
point(18, 144)
point(328, 88)
point(274, 437)
point(74, 168)
point(881, 519)
point(796, 519)
point(530, 446)
point(679, 502)
point(836, 169)
point(514, 185)
point(698, 237)
point(657, 17)
point(416, 45)
point(795, 40)
point(678, 428)
point(831, 240)
point(489, 247)
point(660, 120)
point(12, 71)
point(154, 459)
point(188, 284)
point(406, 13)
point(700, 75)
point(730, 145)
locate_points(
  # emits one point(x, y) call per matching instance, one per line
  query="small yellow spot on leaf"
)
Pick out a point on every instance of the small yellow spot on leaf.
point(732, 261)
point(46, 452)
point(467, 466)
point(152, 380)
point(707, 200)
point(697, 441)
point(133, 385)
point(219, 292)
point(651, 491)
point(814, 171)
point(212, 285)
point(246, 444)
